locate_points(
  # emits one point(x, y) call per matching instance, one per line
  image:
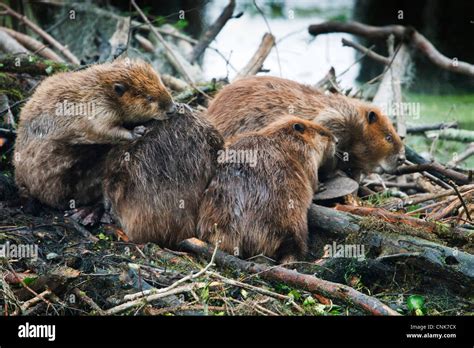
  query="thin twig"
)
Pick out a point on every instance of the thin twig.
point(175, 284)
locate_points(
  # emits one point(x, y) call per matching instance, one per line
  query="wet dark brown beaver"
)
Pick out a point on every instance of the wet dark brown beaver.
point(72, 120)
point(258, 200)
point(155, 184)
point(366, 136)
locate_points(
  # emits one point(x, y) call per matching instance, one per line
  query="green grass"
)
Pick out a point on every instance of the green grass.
point(443, 108)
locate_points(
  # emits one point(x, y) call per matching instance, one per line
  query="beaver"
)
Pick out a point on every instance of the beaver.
point(367, 138)
point(71, 122)
point(259, 204)
point(154, 184)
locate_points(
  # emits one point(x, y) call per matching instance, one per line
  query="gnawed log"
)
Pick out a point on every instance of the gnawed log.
point(293, 278)
point(256, 62)
point(433, 259)
point(389, 93)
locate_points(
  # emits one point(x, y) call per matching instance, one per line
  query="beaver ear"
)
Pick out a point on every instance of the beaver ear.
point(120, 89)
point(371, 117)
point(299, 127)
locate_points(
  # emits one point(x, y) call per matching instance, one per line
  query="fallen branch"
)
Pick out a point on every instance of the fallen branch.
point(33, 45)
point(436, 169)
point(64, 50)
point(406, 34)
point(256, 289)
point(179, 290)
point(428, 127)
point(256, 62)
point(31, 302)
point(435, 260)
point(90, 302)
point(368, 52)
point(414, 200)
point(174, 83)
point(293, 278)
point(461, 135)
point(422, 228)
point(468, 152)
point(145, 43)
point(175, 284)
point(212, 32)
point(9, 45)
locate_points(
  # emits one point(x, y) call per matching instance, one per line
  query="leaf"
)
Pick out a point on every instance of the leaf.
point(102, 236)
point(309, 301)
point(49, 70)
point(416, 304)
point(29, 280)
point(294, 294)
point(205, 294)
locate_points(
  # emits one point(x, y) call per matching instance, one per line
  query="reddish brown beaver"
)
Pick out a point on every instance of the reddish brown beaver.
point(366, 136)
point(71, 122)
point(258, 200)
point(154, 184)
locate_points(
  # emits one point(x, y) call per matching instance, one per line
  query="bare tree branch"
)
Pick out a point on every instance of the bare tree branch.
point(212, 32)
point(401, 32)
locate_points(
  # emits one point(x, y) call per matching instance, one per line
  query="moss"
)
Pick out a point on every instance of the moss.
point(10, 87)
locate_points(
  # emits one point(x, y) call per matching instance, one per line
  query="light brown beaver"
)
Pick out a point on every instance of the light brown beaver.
point(154, 184)
point(366, 137)
point(258, 200)
point(71, 122)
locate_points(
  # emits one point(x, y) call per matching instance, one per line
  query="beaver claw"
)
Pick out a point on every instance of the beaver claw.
point(138, 131)
point(87, 216)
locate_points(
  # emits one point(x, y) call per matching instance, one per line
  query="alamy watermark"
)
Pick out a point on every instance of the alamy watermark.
point(355, 251)
point(237, 156)
point(67, 108)
point(410, 110)
point(18, 251)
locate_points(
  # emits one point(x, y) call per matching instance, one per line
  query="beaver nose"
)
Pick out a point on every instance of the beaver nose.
point(172, 108)
point(401, 159)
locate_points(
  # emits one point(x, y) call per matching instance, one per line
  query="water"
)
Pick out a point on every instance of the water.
point(301, 56)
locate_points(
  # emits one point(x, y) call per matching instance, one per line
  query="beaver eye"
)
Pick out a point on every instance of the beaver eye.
point(120, 89)
point(149, 98)
point(389, 138)
point(299, 127)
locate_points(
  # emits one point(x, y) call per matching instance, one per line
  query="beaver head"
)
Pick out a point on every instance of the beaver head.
point(133, 87)
point(385, 146)
point(367, 138)
point(306, 139)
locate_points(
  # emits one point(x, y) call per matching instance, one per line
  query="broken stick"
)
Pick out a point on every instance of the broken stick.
point(294, 278)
